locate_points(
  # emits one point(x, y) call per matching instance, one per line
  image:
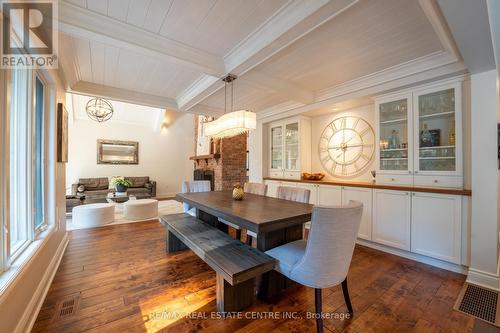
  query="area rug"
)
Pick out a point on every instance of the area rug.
point(164, 207)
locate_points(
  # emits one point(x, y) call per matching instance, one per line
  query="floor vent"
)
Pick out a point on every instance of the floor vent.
point(479, 302)
point(67, 307)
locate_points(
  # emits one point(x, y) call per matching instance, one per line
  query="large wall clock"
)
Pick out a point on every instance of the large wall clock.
point(346, 146)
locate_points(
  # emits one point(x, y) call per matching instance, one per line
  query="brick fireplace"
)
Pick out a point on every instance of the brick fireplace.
point(227, 161)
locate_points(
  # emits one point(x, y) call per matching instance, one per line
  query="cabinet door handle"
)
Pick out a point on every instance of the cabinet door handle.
point(435, 180)
point(392, 179)
point(409, 172)
point(416, 171)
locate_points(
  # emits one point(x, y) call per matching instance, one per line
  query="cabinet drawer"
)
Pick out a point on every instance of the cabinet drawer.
point(439, 181)
point(291, 175)
point(275, 174)
point(395, 179)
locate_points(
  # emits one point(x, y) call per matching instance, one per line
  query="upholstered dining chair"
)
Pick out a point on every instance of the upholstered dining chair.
point(253, 188)
point(194, 186)
point(323, 260)
point(287, 193)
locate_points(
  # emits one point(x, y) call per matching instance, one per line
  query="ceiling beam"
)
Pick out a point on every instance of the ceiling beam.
point(293, 21)
point(283, 88)
point(83, 23)
point(123, 95)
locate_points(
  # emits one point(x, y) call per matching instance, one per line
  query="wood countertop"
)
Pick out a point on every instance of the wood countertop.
point(409, 188)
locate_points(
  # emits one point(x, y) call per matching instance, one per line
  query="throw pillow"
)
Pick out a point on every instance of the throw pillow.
point(81, 188)
point(148, 185)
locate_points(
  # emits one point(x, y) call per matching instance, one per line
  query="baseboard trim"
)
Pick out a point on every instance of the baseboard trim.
point(30, 314)
point(414, 256)
point(483, 279)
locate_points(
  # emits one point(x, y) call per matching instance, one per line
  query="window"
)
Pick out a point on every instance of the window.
point(18, 170)
point(24, 170)
point(39, 154)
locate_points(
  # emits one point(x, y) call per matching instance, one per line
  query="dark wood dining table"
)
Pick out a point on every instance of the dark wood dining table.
point(275, 221)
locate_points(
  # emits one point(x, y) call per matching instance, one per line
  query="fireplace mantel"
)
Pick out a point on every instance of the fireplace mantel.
point(205, 157)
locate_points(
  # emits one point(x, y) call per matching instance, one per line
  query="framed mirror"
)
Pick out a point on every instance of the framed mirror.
point(117, 152)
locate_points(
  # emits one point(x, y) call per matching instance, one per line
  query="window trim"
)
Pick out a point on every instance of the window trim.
point(3, 179)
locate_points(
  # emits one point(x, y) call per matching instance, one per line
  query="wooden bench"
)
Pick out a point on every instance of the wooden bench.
point(236, 264)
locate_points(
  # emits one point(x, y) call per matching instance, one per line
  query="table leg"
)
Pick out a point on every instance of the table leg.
point(174, 244)
point(211, 220)
point(234, 298)
point(271, 283)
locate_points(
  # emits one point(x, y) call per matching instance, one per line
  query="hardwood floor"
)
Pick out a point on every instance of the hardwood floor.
point(123, 281)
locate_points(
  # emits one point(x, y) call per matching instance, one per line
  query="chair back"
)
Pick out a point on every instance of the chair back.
point(330, 246)
point(194, 186)
point(297, 194)
point(255, 188)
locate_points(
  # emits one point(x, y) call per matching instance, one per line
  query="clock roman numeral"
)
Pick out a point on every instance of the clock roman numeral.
point(332, 126)
point(356, 123)
point(342, 123)
point(364, 132)
point(365, 157)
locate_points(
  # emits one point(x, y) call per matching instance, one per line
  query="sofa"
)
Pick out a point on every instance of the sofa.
point(97, 189)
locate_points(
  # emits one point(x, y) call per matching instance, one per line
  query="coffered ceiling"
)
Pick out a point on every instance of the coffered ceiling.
point(287, 53)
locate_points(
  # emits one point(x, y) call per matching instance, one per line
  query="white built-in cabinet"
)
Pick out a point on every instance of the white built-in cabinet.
point(419, 136)
point(428, 224)
point(329, 195)
point(436, 228)
point(290, 147)
point(391, 218)
point(363, 195)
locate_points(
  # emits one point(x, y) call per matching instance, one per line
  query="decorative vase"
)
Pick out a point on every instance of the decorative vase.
point(238, 192)
point(121, 188)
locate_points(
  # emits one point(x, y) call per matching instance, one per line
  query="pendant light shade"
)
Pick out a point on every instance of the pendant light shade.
point(99, 109)
point(231, 123)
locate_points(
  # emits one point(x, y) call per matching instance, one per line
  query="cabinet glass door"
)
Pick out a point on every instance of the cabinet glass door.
point(277, 147)
point(292, 146)
point(436, 131)
point(393, 140)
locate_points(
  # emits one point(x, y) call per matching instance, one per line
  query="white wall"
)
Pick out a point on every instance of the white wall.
point(163, 155)
point(485, 193)
point(318, 125)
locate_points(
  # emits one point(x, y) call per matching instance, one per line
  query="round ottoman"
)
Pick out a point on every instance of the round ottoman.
point(141, 209)
point(93, 215)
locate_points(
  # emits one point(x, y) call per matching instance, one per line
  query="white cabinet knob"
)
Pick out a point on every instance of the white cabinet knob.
point(435, 180)
point(392, 179)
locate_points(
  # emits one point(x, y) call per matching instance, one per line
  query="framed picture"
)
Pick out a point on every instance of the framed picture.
point(203, 142)
point(117, 152)
point(62, 133)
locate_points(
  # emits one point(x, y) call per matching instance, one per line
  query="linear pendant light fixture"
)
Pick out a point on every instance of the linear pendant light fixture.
point(231, 123)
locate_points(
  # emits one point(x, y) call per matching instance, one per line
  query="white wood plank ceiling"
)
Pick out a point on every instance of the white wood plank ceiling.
point(171, 53)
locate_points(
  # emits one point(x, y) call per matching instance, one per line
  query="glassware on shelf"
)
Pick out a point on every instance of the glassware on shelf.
point(276, 148)
point(292, 145)
point(437, 136)
point(393, 111)
point(437, 102)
